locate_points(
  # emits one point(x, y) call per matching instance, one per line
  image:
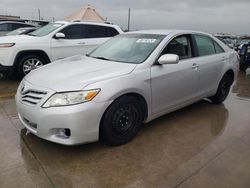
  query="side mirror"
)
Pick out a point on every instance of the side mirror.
point(168, 59)
point(59, 36)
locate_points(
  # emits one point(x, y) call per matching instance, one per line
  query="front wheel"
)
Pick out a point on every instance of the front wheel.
point(28, 63)
point(121, 121)
point(223, 89)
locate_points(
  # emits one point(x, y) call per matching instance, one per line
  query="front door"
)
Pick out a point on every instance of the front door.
point(72, 44)
point(175, 84)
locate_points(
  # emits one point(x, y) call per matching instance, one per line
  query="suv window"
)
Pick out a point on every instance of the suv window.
point(15, 26)
point(95, 31)
point(74, 31)
point(4, 27)
point(205, 45)
point(180, 46)
point(80, 31)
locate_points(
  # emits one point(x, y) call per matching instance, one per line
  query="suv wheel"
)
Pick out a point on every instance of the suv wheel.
point(121, 121)
point(28, 63)
point(223, 89)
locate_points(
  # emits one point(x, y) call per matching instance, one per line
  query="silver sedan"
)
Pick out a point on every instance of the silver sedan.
point(125, 82)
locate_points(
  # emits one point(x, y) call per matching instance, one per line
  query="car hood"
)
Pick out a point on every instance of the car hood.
point(76, 72)
point(19, 39)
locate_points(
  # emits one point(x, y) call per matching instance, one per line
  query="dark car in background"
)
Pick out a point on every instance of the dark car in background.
point(230, 42)
point(7, 26)
point(244, 53)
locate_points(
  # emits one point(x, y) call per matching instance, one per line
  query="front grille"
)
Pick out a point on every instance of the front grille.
point(32, 97)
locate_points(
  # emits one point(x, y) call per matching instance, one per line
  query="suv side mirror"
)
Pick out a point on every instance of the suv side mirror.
point(168, 59)
point(59, 36)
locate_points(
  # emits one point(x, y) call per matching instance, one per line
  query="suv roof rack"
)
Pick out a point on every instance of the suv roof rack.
point(106, 22)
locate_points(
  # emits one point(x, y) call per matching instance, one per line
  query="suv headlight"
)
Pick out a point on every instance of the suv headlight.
point(70, 98)
point(6, 45)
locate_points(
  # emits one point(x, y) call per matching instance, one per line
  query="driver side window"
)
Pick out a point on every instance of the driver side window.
point(73, 32)
point(180, 46)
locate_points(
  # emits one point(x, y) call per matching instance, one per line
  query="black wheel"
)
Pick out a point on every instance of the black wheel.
point(223, 89)
point(121, 121)
point(28, 63)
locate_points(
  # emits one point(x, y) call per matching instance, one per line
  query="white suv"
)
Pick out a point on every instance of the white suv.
point(54, 41)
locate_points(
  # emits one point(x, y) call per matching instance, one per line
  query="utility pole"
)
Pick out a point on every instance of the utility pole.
point(39, 15)
point(128, 19)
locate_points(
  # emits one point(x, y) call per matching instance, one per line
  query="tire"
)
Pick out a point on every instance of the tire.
point(121, 121)
point(223, 89)
point(28, 63)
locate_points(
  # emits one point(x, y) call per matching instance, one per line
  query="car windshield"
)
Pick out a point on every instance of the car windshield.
point(128, 48)
point(45, 30)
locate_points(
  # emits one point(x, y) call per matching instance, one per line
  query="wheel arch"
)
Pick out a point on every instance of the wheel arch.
point(138, 96)
point(230, 72)
point(29, 52)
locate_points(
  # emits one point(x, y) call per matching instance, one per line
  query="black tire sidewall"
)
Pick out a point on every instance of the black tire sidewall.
point(106, 129)
point(22, 60)
point(218, 97)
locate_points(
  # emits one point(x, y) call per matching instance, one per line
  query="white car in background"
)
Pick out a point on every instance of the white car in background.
point(52, 42)
point(133, 78)
point(8, 26)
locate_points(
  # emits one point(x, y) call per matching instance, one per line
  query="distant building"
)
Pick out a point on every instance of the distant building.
point(19, 19)
point(86, 13)
point(7, 17)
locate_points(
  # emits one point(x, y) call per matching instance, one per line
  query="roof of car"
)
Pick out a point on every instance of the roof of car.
point(2, 22)
point(166, 31)
point(84, 22)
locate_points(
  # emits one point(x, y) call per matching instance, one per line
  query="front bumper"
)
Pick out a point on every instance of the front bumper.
point(82, 120)
point(6, 69)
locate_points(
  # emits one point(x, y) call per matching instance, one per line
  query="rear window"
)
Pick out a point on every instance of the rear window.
point(205, 45)
point(218, 48)
point(95, 31)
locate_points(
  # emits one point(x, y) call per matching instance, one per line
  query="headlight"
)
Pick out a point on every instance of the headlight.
point(6, 45)
point(70, 98)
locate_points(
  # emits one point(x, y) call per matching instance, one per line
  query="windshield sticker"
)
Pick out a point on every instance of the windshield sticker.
point(146, 41)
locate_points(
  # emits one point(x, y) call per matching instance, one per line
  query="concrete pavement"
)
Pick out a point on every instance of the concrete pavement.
point(203, 145)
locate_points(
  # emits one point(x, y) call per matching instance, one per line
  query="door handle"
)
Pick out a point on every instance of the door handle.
point(81, 43)
point(195, 66)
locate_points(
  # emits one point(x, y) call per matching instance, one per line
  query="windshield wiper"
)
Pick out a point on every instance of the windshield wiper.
point(103, 58)
point(30, 34)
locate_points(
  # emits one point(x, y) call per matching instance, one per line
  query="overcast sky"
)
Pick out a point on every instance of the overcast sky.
point(230, 16)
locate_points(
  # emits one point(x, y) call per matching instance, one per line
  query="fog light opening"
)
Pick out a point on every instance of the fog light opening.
point(62, 133)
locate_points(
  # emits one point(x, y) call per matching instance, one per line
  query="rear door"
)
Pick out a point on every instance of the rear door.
point(211, 59)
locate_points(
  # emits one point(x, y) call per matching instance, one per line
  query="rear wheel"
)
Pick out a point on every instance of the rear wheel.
point(28, 63)
point(223, 89)
point(121, 121)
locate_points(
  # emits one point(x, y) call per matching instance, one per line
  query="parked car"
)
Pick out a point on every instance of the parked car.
point(133, 78)
point(229, 42)
point(244, 52)
point(7, 26)
point(51, 42)
point(22, 31)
